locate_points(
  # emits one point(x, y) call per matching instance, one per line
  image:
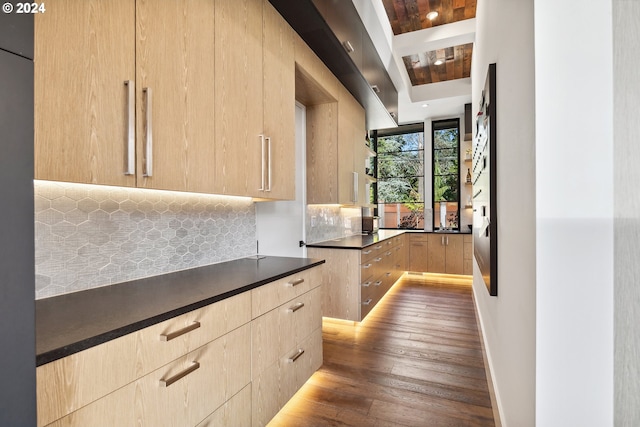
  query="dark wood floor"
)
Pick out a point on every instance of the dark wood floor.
point(416, 360)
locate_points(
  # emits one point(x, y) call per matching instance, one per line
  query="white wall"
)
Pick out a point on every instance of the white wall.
point(549, 333)
point(505, 36)
point(574, 204)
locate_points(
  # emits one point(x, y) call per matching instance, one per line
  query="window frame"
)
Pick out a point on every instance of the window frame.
point(435, 126)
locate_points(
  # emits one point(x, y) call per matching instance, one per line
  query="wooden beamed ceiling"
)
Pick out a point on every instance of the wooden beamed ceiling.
point(456, 65)
point(411, 15)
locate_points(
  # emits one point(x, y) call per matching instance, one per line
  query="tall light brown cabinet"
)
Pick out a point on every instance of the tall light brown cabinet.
point(166, 94)
point(336, 131)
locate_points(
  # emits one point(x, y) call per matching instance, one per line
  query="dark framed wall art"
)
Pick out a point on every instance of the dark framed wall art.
point(485, 213)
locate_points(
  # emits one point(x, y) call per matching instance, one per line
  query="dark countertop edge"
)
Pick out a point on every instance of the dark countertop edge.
point(76, 347)
point(335, 243)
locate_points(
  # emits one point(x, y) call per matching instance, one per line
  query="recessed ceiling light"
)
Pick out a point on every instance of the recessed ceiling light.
point(432, 15)
point(425, 105)
point(438, 62)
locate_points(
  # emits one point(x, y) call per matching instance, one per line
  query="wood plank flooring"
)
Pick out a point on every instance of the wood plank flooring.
point(416, 360)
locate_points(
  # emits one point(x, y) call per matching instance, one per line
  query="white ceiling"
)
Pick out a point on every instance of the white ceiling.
point(444, 99)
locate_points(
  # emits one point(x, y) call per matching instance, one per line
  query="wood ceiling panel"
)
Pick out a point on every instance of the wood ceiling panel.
point(411, 15)
point(457, 65)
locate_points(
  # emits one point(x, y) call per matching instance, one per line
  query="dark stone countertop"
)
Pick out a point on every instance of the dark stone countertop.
point(70, 323)
point(360, 241)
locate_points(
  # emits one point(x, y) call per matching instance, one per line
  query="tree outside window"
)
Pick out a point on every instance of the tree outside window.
point(446, 173)
point(400, 179)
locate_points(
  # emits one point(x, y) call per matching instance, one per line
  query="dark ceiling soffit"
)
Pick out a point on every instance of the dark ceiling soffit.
point(307, 21)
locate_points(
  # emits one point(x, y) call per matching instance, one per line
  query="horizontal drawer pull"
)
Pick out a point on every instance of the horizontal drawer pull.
point(366, 284)
point(388, 253)
point(378, 247)
point(176, 334)
point(367, 302)
point(388, 273)
point(295, 307)
point(366, 266)
point(176, 377)
point(378, 259)
point(295, 357)
point(367, 252)
point(378, 283)
point(296, 282)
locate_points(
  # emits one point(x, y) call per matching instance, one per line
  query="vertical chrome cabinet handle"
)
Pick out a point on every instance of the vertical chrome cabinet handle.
point(176, 334)
point(130, 160)
point(441, 240)
point(148, 152)
point(268, 188)
point(179, 376)
point(262, 142)
point(447, 240)
point(295, 357)
point(355, 187)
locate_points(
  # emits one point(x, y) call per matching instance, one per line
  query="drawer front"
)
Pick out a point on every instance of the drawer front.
point(233, 413)
point(277, 331)
point(68, 384)
point(159, 344)
point(224, 370)
point(367, 271)
point(267, 297)
point(273, 388)
point(79, 379)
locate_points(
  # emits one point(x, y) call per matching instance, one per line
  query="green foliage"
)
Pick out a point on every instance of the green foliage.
point(446, 164)
point(400, 168)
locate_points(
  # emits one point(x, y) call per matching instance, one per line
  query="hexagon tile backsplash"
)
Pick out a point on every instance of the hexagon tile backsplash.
point(88, 236)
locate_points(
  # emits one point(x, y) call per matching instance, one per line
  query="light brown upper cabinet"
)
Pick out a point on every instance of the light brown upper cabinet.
point(166, 94)
point(84, 56)
point(124, 93)
point(255, 100)
point(175, 95)
point(279, 103)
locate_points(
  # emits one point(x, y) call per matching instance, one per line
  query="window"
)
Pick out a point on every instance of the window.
point(446, 174)
point(399, 191)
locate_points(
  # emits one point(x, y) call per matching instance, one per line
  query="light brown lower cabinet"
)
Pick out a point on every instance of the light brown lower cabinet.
point(440, 253)
point(211, 375)
point(356, 279)
point(286, 342)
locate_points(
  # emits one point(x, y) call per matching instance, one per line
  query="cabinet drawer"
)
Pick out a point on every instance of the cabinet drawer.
point(276, 384)
point(367, 271)
point(159, 344)
point(223, 370)
point(267, 297)
point(276, 332)
point(68, 384)
point(233, 413)
point(370, 252)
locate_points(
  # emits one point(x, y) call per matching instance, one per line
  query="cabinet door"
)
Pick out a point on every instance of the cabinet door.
point(84, 53)
point(418, 256)
point(322, 153)
point(279, 103)
point(437, 253)
point(175, 62)
point(454, 254)
point(347, 186)
point(238, 100)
